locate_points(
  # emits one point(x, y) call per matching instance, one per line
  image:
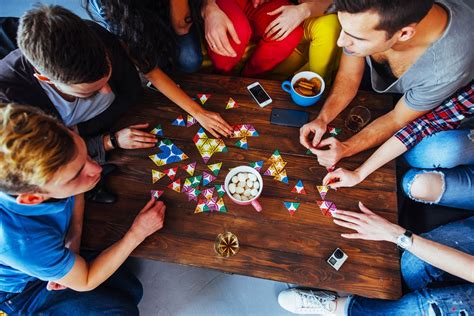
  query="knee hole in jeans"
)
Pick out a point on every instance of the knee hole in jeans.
point(427, 187)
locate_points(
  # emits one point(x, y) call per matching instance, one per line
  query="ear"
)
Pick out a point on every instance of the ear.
point(407, 32)
point(41, 77)
point(30, 198)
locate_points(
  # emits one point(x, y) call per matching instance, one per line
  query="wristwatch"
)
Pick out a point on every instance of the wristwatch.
point(113, 141)
point(405, 240)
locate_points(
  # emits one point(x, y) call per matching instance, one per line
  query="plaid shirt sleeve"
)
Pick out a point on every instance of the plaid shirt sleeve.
point(447, 116)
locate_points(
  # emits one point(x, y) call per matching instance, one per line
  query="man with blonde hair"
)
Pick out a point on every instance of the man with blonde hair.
point(44, 170)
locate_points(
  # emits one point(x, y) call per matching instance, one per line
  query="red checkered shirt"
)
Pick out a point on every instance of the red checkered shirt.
point(447, 116)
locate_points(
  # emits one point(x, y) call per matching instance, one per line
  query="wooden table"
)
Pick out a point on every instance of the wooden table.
point(273, 244)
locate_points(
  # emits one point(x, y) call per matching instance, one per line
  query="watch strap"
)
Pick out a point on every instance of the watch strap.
point(113, 140)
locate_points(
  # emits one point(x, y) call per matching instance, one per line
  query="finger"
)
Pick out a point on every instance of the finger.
point(49, 286)
point(285, 35)
point(354, 236)
point(233, 34)
point(139, 145)
point(330, 141)
point(143, 139)
point(221, 130)
point(318, 134)
point(304, 132)
point(360, 216)
point(271, 28)
point(211, 44)
point(347, 218)
point(364, 209)
point(142, 125)
point(224, 125)
point(220, 47)
point(345, 224)
point(138, 132)
point(213, 132)
point(276, 11)
point(149, 204)
point(278, 35)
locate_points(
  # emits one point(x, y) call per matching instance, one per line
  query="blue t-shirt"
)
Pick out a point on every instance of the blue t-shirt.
point(32, 242)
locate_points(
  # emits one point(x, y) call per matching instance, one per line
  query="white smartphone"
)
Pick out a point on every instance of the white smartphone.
point(259, 94)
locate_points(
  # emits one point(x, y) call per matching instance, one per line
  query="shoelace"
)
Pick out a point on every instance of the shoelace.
point(314, 302)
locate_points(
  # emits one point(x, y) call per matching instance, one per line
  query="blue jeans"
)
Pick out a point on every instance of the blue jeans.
point(119, 295)
point(190, 54)
point(450, 154)
point(419, 275)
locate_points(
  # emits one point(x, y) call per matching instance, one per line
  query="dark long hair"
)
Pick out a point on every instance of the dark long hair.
point(145, 27)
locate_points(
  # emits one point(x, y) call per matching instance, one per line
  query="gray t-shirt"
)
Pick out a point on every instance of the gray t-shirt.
point(446, 66)
point(81, 109)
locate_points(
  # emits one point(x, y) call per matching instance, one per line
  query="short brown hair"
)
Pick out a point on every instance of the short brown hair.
point(33, 146)
point(61, 46)
point(394, 14)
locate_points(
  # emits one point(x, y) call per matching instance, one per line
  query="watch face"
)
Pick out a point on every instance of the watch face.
point(404, 241)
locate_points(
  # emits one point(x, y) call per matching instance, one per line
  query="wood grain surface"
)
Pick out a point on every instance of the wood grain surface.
point(273, 244)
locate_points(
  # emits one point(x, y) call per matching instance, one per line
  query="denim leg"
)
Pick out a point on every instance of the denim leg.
point(454, 300)
point(418, 275)
point(457, 186)
point(190, 54)
point(445, 149)
point(459, 235)
point(117, 296)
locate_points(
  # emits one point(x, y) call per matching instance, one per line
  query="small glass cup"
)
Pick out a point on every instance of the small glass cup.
point(226, 245)
point(358, 117)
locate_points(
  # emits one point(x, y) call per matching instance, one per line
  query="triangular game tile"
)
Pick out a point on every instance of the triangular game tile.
point(215, 168)
point(156, 175)
point(190, 121)
point(323, 190)
point(156, 194)
point(299, 188)
point(171, 172)
point(208, 193)
point(207, 178)
point(203, 98)
point(282, 177)
point(242, 143)
point(292, 207)
point(189, 168)
point(175, 186)
point(220, 189)
point(231, 104)
point(257, 165)
point(179, 121)
point(158, 131)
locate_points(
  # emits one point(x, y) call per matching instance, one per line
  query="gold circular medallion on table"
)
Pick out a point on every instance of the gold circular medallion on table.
point(226, 244)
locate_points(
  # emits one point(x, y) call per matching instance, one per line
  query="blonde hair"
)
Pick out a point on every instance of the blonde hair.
point(33, 146)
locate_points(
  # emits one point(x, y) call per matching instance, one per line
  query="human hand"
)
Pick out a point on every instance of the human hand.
point(290, 18)
point(149, 220)
point(316, 127)
point(256, 3)
point(132, 137)
point(329, 157)
point(214, 123)
point(216, 26)
point(342, 178)
point(53, 286)
point(369, 226)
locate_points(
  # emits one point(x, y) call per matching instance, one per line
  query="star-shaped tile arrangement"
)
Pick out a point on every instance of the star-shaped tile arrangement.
point(208, 146)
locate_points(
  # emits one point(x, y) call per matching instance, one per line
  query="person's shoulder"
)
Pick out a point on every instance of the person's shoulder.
point(15, 66)
point(106, 36)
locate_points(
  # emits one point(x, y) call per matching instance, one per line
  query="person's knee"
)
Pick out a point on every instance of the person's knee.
point(190, 60)
point(425, 187)
point(325, 28)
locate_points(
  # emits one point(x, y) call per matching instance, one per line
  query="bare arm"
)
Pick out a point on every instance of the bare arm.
point(74, 234)
point(390, 150)
point(370, 226)
point(348, 78)
point(87, 276)
point(211, 121)
point(381, 129)
point(179, 12)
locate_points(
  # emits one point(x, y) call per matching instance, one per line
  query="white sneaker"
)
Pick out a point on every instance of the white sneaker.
point(300, 301)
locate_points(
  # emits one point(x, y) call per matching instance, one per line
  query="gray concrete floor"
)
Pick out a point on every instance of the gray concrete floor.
point(171, 289)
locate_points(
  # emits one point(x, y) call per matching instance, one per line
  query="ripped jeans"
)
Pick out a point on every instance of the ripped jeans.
point(419, 275)
point(444, 163)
